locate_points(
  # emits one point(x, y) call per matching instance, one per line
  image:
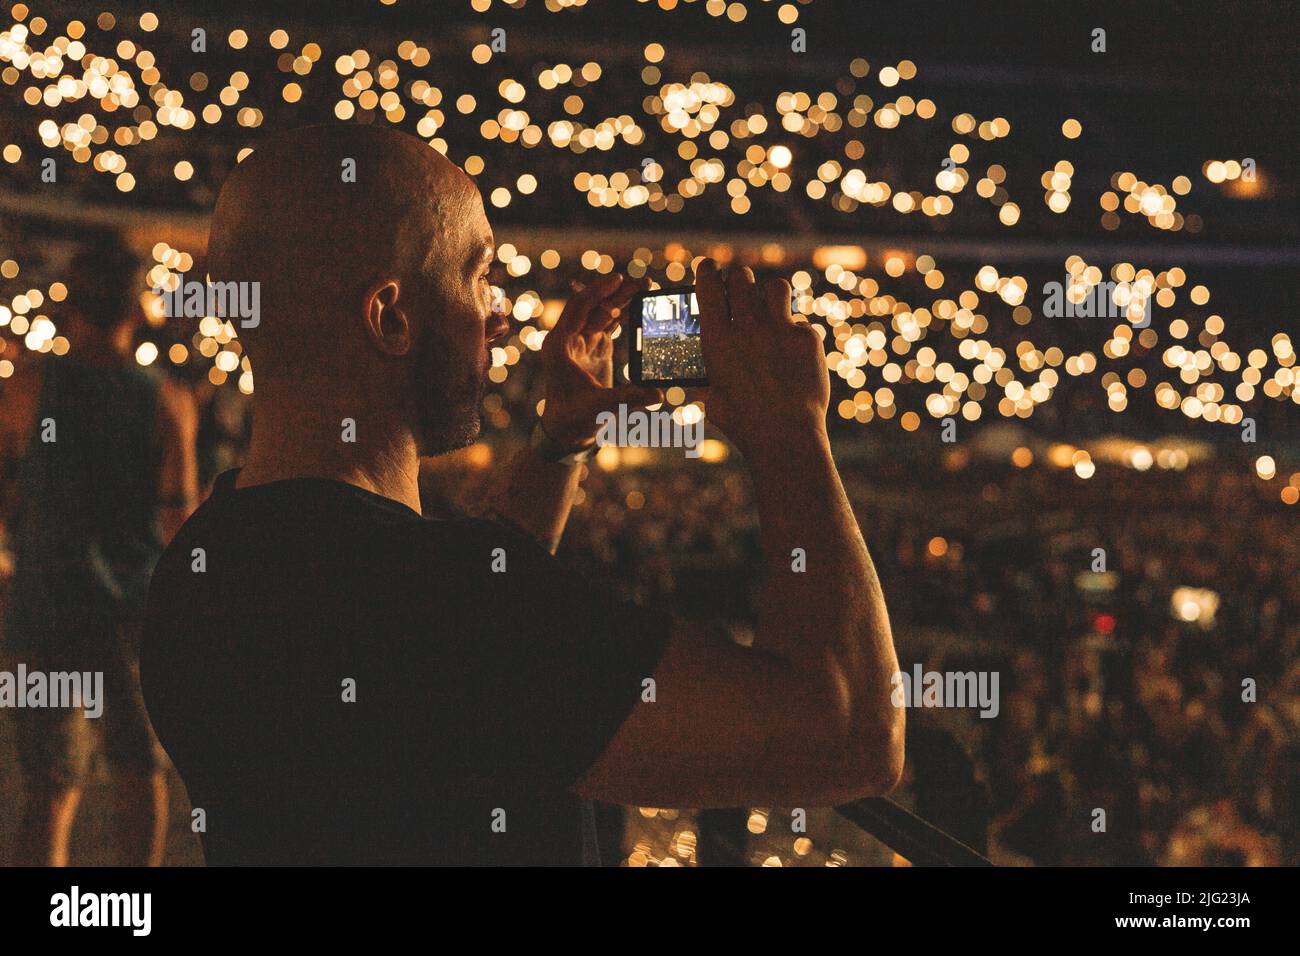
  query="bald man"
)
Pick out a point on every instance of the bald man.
point(340, 680)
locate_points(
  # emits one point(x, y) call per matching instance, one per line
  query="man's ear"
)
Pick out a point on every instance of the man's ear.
point(386, 321)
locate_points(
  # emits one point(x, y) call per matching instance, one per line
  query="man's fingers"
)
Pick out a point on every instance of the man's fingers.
point(634, 396)
point(568, 316)
point(742, 294)
point(776, 295)
point(609, 311)
point(715, 317)
point(576, 312)
point(601, 289)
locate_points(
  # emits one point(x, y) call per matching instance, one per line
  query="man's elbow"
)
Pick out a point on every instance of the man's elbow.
point(884, 755)
point(866, 761)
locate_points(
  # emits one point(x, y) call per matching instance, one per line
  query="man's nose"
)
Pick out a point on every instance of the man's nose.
point(498, 327)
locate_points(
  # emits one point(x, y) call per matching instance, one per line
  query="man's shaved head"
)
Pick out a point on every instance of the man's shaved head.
point(371, 250)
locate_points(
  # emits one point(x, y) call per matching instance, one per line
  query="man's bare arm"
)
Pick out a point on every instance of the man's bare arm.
point(536, 494)
point(804, 717)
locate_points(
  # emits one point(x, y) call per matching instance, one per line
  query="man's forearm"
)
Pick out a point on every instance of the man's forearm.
point(535, 495)
point(822, 607)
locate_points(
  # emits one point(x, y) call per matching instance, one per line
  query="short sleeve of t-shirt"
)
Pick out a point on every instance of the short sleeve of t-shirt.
point(556, 663)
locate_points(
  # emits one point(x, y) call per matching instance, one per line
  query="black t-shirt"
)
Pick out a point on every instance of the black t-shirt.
point(339, 680)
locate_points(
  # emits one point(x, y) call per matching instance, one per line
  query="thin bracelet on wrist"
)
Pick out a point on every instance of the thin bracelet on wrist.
point(548, 450)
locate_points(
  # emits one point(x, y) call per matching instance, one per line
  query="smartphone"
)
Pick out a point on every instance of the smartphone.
point(663, 329)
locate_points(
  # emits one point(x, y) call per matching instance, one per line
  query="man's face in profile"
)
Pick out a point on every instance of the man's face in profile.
point(455, 353)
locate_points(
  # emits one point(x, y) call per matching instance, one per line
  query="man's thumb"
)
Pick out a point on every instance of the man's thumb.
point(636, 396)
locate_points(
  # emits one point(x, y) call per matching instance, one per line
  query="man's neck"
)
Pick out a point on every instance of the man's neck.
point(384, 462)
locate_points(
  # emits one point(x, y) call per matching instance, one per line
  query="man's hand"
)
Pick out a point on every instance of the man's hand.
point(577, 357)
point(768, 383)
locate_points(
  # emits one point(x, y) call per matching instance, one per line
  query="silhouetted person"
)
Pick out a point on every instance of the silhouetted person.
point(340, 680)
point(101, 451)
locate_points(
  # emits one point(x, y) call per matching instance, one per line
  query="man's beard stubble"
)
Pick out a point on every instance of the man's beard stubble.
point(453, 418)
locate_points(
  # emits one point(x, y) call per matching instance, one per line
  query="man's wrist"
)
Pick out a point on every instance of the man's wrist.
point(548, 449)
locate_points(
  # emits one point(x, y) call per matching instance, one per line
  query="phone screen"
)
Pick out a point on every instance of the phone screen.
point(664, 336)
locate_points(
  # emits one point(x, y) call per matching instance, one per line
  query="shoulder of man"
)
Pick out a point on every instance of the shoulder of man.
point(499, 547)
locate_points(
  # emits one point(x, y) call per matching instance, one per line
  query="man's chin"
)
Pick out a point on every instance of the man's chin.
point(453, 438)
